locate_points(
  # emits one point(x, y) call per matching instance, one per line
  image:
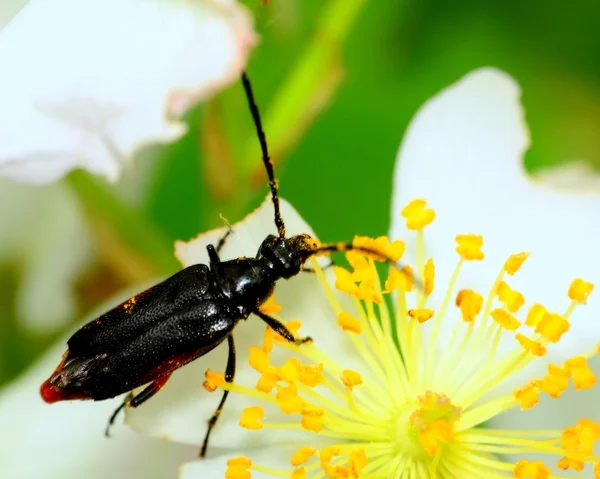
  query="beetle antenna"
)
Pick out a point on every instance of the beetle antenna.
point(265, 153)
point(343, 246)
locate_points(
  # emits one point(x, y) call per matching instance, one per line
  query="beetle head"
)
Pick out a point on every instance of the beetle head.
point(287, 255)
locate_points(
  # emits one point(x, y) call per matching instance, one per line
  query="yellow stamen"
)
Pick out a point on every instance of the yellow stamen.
point(428, 275)
point(299, 473)
point(213, 380)
point(582, 375)
point(418, 215)
point(237, 468)
point(357, 462)
point(514, 263)
point(529, 395)
point(312, 419)
point(531, 470)
point(534, 347)
point(351, 378)
point(535, 315)
point(512, 299)
point(288, 399)
point(420, 314)
point(470, 304)
point(580, 290)
point(270, 306)
point(311, 375)
point(251, 417)
point(506, 320)
point(469, 247)
point(349, 322)
point(556, 382)
point(552, 326)
point(302, 455)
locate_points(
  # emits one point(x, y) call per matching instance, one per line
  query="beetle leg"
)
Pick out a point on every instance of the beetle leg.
point(281, 329)
point(212, 254)
point(111, 421)
point(229, 375)
point(141, 398)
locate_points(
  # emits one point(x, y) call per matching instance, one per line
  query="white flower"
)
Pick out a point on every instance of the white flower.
point(88, 83)
point(349, 405)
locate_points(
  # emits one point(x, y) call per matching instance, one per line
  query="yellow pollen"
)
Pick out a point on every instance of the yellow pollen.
point(582, 375)
point(311, 375)
point(512, 299)
point(267, 382)
point(535, 315)
point(350, 379)
point(270, 306)
point(531, 470)
point(534, 347)
point(434, 421)
point(357, 462)
point(420, 314)
point(251, 417)
point(349, 322)
point(529, 395)
point(417, 214)
point(470, 304)
point(514, 263)
point(128, 305)
point(268, 340)
point(578, 440)
point(504, 319)
point(289, 371)
point(328, 453)
point(259, 359)
point(469, 247)
point(357, 260)
point(580, 290)
point(556, 382)
point(213, 380)
point(552, 326)
point(344, 281)
point(288, 399)
point(237, 468)
point(429, 274)
point(302, 455)
point(312, 419)
point(299, 473)
point(336, 472)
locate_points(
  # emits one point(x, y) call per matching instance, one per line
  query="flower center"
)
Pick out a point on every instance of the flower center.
point(417, 408)
point(433, 422)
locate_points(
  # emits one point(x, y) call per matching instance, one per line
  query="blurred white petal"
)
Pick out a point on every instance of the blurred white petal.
point(8, 9)
point(463, 153)
point(88, 83)
point(181, 410)
point(66, 440)
point(43, 234)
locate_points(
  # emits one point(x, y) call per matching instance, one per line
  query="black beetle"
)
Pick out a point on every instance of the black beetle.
point(143, 340)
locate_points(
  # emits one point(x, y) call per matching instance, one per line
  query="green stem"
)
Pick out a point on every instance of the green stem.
point(130, 227)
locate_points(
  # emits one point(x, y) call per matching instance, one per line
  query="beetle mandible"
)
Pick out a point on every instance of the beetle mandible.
point(143, 340)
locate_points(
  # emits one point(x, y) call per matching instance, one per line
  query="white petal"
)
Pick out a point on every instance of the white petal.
point(88, 83)
point(180, 411)
point(463, 152)
point(66, 440)
point(9, 9)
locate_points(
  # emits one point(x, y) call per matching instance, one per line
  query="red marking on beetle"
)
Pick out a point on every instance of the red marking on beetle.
point(51, 394)
point(166, 368)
